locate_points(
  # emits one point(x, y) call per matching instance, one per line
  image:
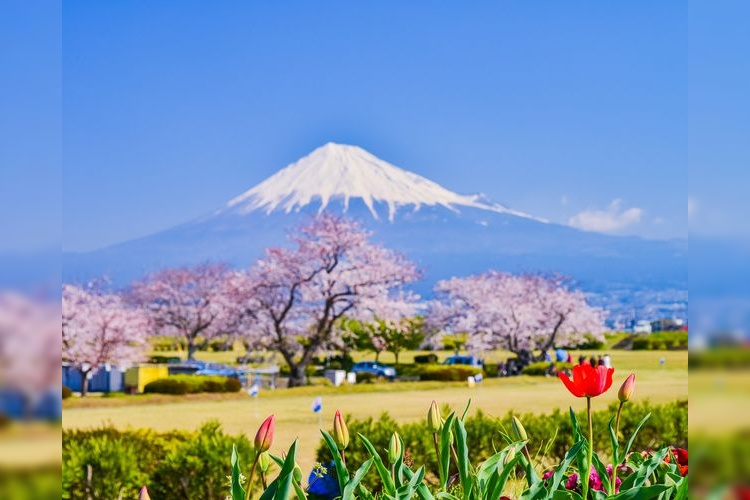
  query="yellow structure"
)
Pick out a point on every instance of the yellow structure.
point(137, 377)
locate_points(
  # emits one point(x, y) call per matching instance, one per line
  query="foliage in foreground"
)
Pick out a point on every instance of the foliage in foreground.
point(658, 474)
point(550, 435)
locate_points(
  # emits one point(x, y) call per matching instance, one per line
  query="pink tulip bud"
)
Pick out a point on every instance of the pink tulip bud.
point(264, 437)
point(143, 495)
point(340, 431)
point(627, 388)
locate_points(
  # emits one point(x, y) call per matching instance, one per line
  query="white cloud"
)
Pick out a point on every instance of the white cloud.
point(610, 220)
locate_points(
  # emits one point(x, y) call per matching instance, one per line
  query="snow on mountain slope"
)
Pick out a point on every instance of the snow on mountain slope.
point(337, 171)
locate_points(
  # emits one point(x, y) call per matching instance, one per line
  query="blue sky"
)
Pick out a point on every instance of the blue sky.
point(171, 109)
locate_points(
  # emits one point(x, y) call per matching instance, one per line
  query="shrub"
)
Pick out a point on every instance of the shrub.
point(447, 373)
point(368, 378)
point(191, 384)
point(167, 343)
point(66, 392)
point(166, 386)
point(542, 367)
point(171, 463)
point(425, 359)
point(674, 340)
point(163, 360)
point(590, 343)
point(723, 357)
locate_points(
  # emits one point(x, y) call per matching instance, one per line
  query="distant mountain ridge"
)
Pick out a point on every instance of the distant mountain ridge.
point(444, 232)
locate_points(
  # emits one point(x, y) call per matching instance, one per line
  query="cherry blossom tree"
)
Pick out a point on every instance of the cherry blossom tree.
point(99, 328)
point(29, 345)
point(519, 313)
point(190, 302)
point(294, 297)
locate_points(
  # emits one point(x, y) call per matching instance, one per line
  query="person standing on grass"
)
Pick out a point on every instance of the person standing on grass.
point(607, 361)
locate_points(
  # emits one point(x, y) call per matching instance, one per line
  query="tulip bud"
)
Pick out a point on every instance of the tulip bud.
point(340, 431)
point(264, 436)
point(434, 420)
point(510, 456)
point(264, 461)
point(519, 433)
point(143, 495)
point(394, 448)
point(626, 389)
point(297, 473)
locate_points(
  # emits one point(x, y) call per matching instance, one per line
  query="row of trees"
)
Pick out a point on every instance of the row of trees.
point(331, 289)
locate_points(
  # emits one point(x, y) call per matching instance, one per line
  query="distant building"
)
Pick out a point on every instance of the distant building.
point(642, 326)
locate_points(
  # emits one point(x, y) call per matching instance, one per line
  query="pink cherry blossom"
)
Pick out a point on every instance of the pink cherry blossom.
point(30, 344)
point(293, 298)
point(189, 302)
point(514, 312)
point(99, 328)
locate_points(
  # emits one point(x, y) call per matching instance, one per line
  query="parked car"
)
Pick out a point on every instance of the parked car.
point(464, 360)
point(375, 368)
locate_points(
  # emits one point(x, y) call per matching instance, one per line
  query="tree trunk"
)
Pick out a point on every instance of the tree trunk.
point(191, 350)
point(85, 383)
point(377, 356)
point(297, 375)
point(395, 355)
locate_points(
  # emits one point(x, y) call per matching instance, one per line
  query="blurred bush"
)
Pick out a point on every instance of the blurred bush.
point(661, 341)
point(191, 384)
point(543, 367)
point(108, 463)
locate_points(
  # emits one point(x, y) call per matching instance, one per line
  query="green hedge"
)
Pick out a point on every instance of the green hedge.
point(171, 463)
point(720, 358)
point(36, 482)
point(425, 359)
point(540, 368)
point(444, 373)
point(191, 384)
point(550, 435)
point(162, 343)
point(661, 341)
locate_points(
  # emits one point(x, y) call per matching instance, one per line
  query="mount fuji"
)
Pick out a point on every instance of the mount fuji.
point(445, 233)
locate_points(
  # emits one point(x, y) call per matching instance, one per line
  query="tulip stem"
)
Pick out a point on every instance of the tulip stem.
point(250, 478)
point(393, 473)
point(615, 459)
point(263, 480)
point(343, 457)
point(437, 455)
point(455, 455)
point(587, 472)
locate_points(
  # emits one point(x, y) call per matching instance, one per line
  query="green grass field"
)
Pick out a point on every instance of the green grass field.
point(407, 401)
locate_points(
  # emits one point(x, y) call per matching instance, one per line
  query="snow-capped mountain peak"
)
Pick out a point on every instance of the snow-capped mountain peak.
point(344, 172)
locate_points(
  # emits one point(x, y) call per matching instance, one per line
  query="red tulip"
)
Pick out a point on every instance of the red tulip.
point(681, 456)
point(589, 381)
point(264, 436)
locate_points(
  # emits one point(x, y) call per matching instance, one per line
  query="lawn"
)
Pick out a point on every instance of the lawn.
point(404, 401)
